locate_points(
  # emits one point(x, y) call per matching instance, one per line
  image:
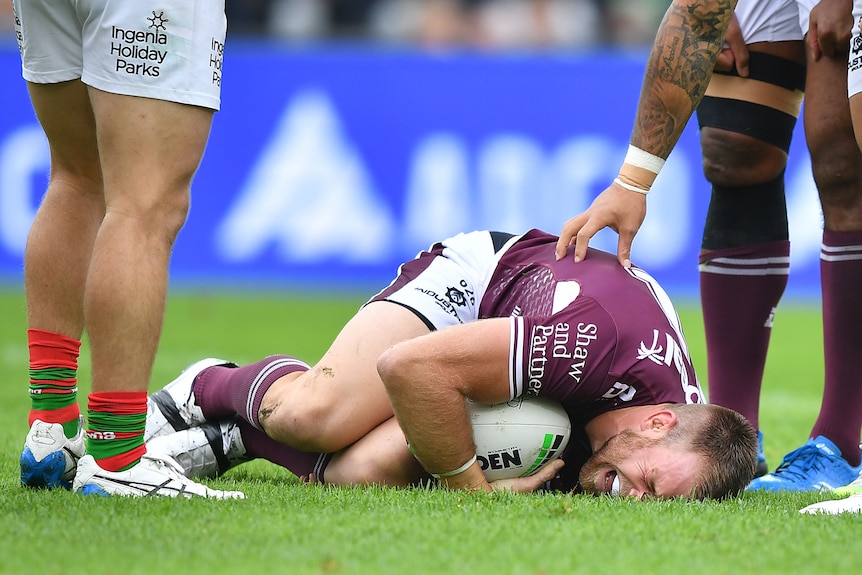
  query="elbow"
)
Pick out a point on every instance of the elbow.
point(394, 367)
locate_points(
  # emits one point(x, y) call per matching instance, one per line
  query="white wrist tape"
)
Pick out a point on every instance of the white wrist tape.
point(630, 187)
point(639, 170)
point(641, 159)
point(461, 469)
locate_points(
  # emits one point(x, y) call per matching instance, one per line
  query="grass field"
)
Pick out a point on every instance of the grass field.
point(286, 527)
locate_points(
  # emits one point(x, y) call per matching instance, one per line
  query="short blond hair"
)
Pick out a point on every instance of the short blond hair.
point(725, 440)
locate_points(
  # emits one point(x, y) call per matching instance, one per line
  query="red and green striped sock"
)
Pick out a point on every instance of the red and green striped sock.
point(54, 379)
point(115, 430)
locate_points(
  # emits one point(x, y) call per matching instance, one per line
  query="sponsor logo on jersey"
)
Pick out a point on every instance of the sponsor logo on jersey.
point(620, 391)
point(559, 340)
point(671, 355)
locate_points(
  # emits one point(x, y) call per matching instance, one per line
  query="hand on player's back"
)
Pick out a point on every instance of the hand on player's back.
point(617, 208)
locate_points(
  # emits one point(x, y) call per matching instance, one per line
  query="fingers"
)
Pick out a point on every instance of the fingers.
point(724, 62)
point(545, 473)
point(532, 482)
point(624, 248)
point(813, 42)
point(617, 208)
point(738, 49)
point(568, 235)
point(578, 231)
point(582, 240)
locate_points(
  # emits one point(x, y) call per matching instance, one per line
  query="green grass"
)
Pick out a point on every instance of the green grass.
point(286, 527)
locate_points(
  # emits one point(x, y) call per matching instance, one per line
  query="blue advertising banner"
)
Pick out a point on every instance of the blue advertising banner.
point(327, 167)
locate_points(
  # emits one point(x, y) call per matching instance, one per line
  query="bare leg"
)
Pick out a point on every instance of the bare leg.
point(64, 230)
point(342, 397)
point(150, 149)
point(837, 165)
point(744, 259)
point(380, 458)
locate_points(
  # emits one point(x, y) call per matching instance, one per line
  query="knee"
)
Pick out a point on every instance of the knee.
point(836, 167)
point(303, 426)
point(304, 417)
point(394, 366)
point(158, 217)
point(731, 159)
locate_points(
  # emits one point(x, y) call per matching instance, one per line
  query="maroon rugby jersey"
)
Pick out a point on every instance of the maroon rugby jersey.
point(592, 335)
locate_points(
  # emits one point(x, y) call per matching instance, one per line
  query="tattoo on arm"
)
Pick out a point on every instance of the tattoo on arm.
point(678, 71)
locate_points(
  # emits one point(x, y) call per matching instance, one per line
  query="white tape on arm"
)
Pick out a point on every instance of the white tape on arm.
point(461, 469)
point(639, 170)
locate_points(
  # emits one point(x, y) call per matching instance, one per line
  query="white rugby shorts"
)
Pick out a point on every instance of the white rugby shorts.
point(854, 65)
point(773, 20)
point(171, 50)
point(445, 285)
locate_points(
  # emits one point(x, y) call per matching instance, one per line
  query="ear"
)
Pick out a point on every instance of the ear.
point(659, 422)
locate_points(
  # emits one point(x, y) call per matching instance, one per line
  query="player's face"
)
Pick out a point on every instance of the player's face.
point(631, 465)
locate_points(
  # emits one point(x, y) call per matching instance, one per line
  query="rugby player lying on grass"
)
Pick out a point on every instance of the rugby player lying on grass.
point(490, 317)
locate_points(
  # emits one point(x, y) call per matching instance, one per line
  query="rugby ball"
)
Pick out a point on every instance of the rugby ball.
point(514, 439)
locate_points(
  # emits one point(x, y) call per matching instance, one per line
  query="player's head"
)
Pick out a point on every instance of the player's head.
point(695, 451)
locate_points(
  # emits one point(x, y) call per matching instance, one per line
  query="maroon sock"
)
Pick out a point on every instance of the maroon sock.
point(225, 391)
point(840, 415)
point(259, 444)
point(739, 291)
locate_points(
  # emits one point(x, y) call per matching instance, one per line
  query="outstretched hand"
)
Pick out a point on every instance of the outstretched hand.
point(617, 208)
point(531, 482)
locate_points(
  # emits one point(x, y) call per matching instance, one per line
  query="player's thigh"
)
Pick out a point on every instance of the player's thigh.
point(836, 162)
point(154, 77)
point(64, 111)
point(341, 398)
point(747, 123)
point(381, 457)
point(150, 149)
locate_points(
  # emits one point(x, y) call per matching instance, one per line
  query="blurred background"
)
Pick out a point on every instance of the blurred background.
point(355, 133)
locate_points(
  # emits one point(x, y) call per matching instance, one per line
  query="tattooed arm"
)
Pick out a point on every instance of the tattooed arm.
point(678, 71)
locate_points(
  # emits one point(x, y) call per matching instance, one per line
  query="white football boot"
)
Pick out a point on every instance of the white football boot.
point(154, 475)
point(173, 408)
point(851, 504)
point(49, 458)
point(204, 451)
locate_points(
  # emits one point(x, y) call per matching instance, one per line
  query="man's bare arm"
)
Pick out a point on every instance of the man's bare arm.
point(678, 72)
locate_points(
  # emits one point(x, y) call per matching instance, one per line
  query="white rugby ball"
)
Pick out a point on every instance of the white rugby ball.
point(514, 439)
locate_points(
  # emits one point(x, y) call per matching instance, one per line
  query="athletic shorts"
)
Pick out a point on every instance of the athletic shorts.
point(854, 65)
point(445, 285)
point(773, 20)
point(171, 52)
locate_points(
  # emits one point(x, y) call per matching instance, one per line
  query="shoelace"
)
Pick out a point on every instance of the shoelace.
point(799, 463)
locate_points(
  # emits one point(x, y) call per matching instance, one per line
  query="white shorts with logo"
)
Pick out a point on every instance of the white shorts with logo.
point(854, 64)
point(444, 286)
point(171, 52)
point(773, 20)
